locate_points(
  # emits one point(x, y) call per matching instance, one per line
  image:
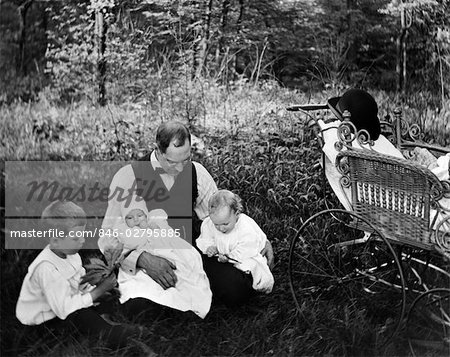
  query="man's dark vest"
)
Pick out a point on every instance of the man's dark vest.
point(179, 202)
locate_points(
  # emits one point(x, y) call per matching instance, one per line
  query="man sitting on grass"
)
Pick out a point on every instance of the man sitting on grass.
point(167, 179)
point(51, 293)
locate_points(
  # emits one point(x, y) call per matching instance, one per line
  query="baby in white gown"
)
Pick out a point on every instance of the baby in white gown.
point(140, 231)
point(235, 238)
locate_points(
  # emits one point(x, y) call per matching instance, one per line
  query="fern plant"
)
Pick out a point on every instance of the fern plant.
point(97, 270)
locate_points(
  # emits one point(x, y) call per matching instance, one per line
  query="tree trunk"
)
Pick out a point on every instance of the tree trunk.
point(351, 52)
point(241, 14)
point(238, 29)
point(200, 60)
point(398, 65)
point(404, 57)
point(100, 33)
point(23, 9)
point(400, 69)
point(222, 30)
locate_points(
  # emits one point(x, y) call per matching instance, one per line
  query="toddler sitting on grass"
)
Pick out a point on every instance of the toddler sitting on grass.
point(235, 238)
point(143, 231)
point(51, 293)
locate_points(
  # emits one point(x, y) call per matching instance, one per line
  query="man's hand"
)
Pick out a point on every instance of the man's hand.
point(268, 253)
point(211, 251)
point(159, 269)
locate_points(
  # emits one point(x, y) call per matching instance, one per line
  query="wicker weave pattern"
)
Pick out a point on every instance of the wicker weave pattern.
point(393, 193)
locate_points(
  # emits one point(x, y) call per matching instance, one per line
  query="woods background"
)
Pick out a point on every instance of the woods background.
point(91, 80)
point(228, 63)
point(133, 50)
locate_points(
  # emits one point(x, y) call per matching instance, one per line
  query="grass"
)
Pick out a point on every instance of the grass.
point(254, 147)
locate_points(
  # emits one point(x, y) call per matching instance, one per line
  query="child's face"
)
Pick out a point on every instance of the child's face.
point(224, 219)
point(136, 217)
point(71, 243)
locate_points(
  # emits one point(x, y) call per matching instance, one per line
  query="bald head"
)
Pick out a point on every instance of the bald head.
point(172, 132)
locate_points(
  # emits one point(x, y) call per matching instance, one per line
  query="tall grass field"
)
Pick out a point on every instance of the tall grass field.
point(251, 145)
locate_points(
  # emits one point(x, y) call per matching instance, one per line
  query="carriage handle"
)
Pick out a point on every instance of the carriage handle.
point(313, 125)
point(312, 122)
point(306, 107)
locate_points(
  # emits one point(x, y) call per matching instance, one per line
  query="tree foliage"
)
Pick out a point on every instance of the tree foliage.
point(149, 43)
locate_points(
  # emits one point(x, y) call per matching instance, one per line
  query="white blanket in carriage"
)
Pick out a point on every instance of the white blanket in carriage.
point(383, 146)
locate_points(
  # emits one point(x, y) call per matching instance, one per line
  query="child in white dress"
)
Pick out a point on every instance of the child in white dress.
point(235, 238)
point(142, 231)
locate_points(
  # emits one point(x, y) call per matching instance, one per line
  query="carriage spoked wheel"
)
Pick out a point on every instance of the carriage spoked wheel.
point(428, 323)
point(424, 270)
point(345, 279)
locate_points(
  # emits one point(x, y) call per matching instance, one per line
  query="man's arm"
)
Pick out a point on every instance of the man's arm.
point(206, 188)
point(129, 264)
point(267, 250)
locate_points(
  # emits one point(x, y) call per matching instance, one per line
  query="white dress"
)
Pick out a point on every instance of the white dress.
point(243, 244)
point(191, 292)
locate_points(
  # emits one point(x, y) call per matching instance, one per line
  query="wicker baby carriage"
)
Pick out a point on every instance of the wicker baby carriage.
point(384, 260)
